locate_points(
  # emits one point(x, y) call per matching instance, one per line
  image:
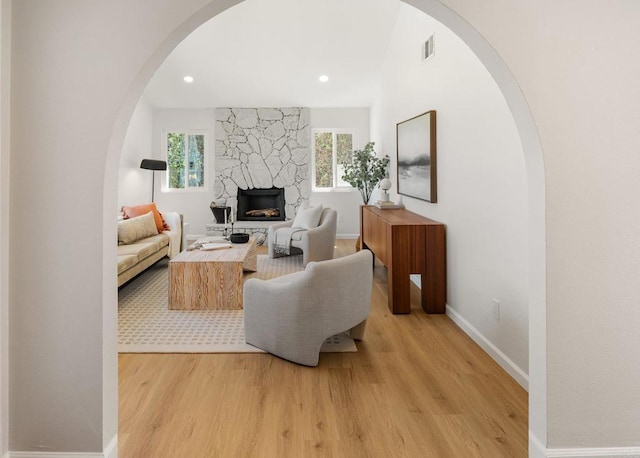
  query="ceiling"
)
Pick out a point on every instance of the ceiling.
point(271, 53)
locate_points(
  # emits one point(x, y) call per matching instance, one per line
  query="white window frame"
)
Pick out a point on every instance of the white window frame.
point(165, 183)
point(334, 133)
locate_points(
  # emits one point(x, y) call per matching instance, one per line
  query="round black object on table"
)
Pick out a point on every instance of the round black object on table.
point(239, 237)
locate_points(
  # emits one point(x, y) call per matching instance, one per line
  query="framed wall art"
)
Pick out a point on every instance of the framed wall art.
point(416, 149)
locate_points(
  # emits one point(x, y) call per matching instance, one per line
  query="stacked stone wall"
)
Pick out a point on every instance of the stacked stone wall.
point(262, 148)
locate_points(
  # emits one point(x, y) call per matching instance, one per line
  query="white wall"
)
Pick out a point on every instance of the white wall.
point(5, 62)
point(347, 203)
point(581, 94)
point(75, 84)
point(583, 99)
point(134, 184)
point(194, 205)
point(481, 177)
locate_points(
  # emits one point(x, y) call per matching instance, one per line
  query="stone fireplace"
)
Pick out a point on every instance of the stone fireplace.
point(262, 148)
point(260, 204)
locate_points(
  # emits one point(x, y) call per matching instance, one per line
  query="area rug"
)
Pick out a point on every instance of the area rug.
point(146, 325)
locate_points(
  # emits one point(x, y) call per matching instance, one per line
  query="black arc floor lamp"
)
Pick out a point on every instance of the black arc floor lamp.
point(153, 164)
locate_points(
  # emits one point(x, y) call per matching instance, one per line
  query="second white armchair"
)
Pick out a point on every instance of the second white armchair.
point(315, 244)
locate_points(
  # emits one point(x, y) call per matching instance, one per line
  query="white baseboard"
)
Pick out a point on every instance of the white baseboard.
point(347, 236)
point(608, 452)
point(56, 455)
point(536, 447)
point(110, 452)
point(538, 450)
point(503, 360)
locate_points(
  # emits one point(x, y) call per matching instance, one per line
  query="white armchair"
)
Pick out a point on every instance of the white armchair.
point(291, 316)
point(315, 244)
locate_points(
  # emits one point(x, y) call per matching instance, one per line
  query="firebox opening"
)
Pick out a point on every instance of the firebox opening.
point(261, 204)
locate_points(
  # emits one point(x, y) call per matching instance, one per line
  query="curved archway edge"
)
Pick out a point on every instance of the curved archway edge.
point(536, 205)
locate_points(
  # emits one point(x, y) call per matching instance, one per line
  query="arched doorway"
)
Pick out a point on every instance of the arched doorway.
point(533, 158)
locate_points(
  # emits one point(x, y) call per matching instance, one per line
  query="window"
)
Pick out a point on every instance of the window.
point(186, 153)
point(332, 149)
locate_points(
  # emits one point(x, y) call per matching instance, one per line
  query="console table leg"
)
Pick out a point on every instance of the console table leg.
point(399, 289)
point(432, 300)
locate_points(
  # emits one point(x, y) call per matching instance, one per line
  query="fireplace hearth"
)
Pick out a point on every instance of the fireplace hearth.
point(260, 204)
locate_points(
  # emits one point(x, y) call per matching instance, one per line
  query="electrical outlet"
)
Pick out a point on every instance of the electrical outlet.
point(495, 308)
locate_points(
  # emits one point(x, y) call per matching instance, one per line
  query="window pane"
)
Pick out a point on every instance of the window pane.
point(176, 160)
point(324, 159)
point(196, 161)
point(344, 155)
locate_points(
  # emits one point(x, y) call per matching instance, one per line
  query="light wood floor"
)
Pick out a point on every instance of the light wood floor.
point(417, 387)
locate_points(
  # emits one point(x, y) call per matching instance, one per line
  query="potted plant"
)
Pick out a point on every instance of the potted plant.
point(365, 171)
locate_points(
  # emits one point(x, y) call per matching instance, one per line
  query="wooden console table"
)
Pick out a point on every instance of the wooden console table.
point(407, 243)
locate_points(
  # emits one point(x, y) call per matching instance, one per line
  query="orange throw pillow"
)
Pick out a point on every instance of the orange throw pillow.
point(139, 210)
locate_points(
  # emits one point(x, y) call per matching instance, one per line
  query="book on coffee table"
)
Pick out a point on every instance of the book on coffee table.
point(215, 246)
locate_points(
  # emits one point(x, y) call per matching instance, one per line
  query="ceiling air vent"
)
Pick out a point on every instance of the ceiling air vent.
point(427, 49)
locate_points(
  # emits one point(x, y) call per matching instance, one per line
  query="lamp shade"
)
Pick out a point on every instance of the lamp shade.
point(153, 164)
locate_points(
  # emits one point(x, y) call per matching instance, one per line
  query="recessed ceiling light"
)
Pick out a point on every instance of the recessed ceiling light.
point(323, 78)
point(188, 79)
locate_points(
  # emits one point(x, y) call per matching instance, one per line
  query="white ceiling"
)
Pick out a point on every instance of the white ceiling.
point(271, 52)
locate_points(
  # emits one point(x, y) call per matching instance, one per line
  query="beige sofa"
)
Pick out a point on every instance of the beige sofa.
point(139, 255)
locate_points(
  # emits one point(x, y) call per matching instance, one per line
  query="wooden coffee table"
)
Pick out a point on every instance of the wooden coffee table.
point(210, 280)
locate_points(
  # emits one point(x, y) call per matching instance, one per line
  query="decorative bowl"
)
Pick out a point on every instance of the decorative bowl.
point(239, 237)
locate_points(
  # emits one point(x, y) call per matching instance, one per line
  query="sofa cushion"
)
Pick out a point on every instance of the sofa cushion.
point(138, 210)
point(134, 229)
point(144, 247)
point(161, 239)
point(126, 262)
point(139, 250)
